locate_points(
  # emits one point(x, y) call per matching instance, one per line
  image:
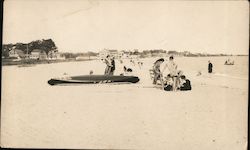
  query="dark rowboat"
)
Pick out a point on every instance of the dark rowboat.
point(94, 79)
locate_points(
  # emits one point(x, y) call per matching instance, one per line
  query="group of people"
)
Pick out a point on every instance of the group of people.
point(110, 65)
point(175, 80)
point(229, 62)
point(183, 84)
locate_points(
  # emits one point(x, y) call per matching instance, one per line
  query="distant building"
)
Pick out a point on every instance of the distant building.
point(86, 57)
point(186, 53)
point(111, 52)
point(20, 53)
point(60, 56)
point(124, 54)
point(82, 57)
point(171, 52)
point(38, 54)
point(120, 54)
point(35, 54)
point(13, 53)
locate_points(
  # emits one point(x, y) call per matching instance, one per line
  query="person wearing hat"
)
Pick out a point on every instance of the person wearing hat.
point(156, 70)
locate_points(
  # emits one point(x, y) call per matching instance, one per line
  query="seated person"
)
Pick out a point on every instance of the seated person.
point(226, 62)
point(125, 69)
point(185, 84)
point(168, 85)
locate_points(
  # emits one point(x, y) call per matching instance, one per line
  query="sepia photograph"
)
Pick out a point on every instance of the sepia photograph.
point(125, 74)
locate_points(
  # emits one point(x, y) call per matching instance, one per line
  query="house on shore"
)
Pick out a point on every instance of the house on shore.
point(38, 54)
point(83, 58)
point(17, 53)
point(86, 57)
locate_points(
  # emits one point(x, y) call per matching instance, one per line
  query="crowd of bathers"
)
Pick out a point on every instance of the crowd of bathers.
point(175, 79)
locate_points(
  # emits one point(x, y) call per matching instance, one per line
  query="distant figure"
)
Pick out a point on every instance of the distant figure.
point(132, 61)
point(186, 84)
point(140, 64)
point(91, 72)
point(125, 69)
point(210, 67)
point(157, 71)
point(112, 66)
point(199, 73)
point(168, 85)
point(229, 62)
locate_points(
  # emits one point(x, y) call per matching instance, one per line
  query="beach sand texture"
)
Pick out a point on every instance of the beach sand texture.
point(128, 116)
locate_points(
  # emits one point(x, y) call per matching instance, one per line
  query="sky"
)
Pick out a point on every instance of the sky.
point(82, 25)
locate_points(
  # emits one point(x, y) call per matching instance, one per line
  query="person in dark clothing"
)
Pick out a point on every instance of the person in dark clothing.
point(168, 88)
point(125, 69)
point(113, 66)
point(210, 67)
point(186, 84)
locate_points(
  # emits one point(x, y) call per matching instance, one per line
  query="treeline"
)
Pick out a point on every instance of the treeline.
point(46, 45)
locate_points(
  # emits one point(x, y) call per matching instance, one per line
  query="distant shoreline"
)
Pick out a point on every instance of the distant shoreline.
point(35, 62)
point(6, 62)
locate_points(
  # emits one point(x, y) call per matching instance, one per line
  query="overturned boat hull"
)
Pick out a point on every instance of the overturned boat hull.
point(93, 79)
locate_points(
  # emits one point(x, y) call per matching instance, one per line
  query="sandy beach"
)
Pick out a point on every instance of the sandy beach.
point(213, 115)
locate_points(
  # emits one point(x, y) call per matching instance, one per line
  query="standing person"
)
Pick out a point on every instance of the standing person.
point(109, 65)
point(172, 67)
point(210, 67)
point(112, 69)
point(157, 71)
